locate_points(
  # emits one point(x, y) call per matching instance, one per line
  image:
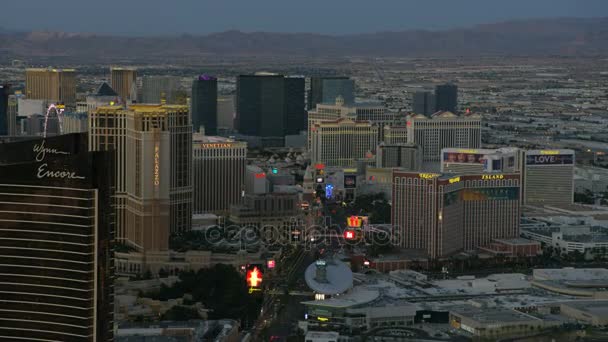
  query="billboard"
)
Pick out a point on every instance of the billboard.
point(481, 194)
point(556, 159)
point(350, 181)
point(463, 158)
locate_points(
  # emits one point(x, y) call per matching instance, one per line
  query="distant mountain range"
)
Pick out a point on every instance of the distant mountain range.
point(562, 36)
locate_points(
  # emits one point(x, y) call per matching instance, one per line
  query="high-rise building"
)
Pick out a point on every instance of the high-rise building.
point(4, 112)
point(369, 111)
point(424, 103)
point(295, 113)
point(153, 146)
point(325, 90)
point(160, 89)
point(204, 104)
point(225, 112)
point(51, 85)
point(56, 241)
point(461, 160)
point(75, 122)
point(343, 142)
point(405, 156)
point(124, 82)
point(12, 111)
point(549, 177)
point(443, 130)
point(266, 102)
point(446, 98)
point(445, 214)
point(219, 173)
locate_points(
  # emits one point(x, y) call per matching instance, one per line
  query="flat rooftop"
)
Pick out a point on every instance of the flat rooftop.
point(492, 315)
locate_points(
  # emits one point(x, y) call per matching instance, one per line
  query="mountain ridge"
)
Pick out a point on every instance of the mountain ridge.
point(558, 36)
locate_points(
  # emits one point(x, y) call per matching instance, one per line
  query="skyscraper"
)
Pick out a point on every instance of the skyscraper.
point(443, 130)
point(4, 112)
point(218, 172)
point(159, 89)
point(124, 82)
point(549, 177)
point(424, 103)
point(269, 105)
point(445, 214)
point(295, 113)
point(153, 146)
point(56, 241)
point(327, 89)
point(204, 104)
point(52, 85)
point(446, 98)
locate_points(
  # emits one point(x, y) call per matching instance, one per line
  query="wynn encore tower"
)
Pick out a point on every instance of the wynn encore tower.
point(56, 241)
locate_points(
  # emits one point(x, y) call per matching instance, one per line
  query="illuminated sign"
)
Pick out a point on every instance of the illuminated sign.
point(366, 263)
point(428, 175)
point(454, 180)
point(43, 172)
point(329, 190)
point(156, 165)
point(322, 319)
point(260, 175)
point(468, 151)
point(319, 166)
point(270, 264)
point(216, 145)
point(275, 171)
point(549, 152)
point(349, 234)
point(350, 181)
point(544, 159)
point(41, 151)
point(354, 221)
point(254, 276)
point(492, 177)
point(319, 180)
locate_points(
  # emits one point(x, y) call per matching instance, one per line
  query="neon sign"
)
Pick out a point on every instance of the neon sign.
point(216, 145)
point(454, 180)
point(549, 152)
point(428, 175)
point(156, 165)
point(492, 177)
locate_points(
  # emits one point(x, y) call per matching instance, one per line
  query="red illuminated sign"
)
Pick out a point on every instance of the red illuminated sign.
point(260, 175)
point(349, 234)
point(319, 166)
point(270, 264)
point(254, 277)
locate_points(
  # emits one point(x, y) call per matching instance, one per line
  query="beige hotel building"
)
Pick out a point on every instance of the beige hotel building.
point(446, 214)
point(342, 142)
point(219, 173)
point(153, 146)
point(53, 85)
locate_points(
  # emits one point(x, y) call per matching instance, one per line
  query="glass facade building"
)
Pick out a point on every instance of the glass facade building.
point(204, 104)
point(56, 241)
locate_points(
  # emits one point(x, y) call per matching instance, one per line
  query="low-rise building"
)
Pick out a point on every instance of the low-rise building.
point(591, 312)
point(494, 323)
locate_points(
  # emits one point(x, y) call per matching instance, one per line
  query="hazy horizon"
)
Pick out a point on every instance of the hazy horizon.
point(334, 17)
